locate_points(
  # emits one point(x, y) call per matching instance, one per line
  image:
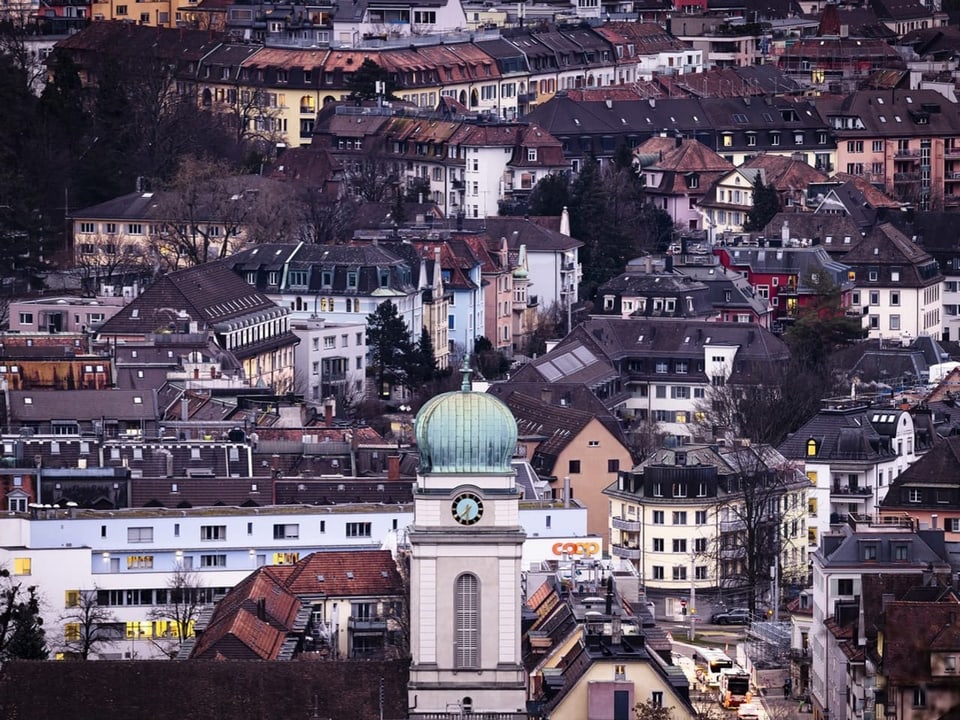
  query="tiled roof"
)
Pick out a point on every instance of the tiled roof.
point(844, 434)
point(350, 573)
point(236, 690)
point(909, 630)
point(525, 231)
point(210, 294)
point(140, 41)
point(937, 468)
point(252, 621)
point(80, 405)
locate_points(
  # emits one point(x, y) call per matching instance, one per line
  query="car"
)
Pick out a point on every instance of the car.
point(737, 616)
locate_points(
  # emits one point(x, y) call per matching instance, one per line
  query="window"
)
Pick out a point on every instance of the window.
point(88, 228)
point(700, 545)
point(467, 622)
point(914, 495)
point(656, 698)
point(574, 467)
point(870, 552)
point(613, 466)
point(919, 697)
point(894, 297)
point(900, 552)
point(679, 572)
point(140, 534)
point(531, 154)
point(845, 586)
point(658, 572)
point(213, 532)
point(658, 544)
point(290, 531)
point(679, 545)
point(329, 342)
point(139, 562)
point(26, 318)
point(680, 517)
point(211, 561)
point(22, 566)
point(894, 322)
point(135, 229)
point(358, 529)
point(700, 517)
point(658, 518)
point(855, 146)
point(877, 146)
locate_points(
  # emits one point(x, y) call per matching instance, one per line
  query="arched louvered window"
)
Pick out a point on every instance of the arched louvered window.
point(467, 622)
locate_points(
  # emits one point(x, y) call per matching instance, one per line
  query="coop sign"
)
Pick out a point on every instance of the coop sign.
point(576, 548)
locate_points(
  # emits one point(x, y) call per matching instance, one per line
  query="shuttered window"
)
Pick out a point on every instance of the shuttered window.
point(467, 618)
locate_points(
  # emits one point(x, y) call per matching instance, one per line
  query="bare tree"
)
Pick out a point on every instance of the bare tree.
point(749, 542)
point(372, 176)
point(253, 114)
point(650, 711)
point(325, 220)
point(87, 624)
point(186, 598)
point(206, 212)
point(778, 399)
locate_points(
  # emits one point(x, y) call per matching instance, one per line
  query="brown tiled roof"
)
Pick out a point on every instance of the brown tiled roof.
point(251, 622)
point(349, 573)
point(234, 690)
point(909, 629)
point(786, 173)
point(876, 198)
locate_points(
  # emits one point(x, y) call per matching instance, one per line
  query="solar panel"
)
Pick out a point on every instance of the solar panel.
point(549, 371)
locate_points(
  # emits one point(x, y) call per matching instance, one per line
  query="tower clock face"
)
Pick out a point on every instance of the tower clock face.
point(467, 508)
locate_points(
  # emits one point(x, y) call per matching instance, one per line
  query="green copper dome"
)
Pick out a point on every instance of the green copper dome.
point(465, 432)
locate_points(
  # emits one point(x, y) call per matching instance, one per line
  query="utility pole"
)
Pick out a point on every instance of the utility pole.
point(693, 598)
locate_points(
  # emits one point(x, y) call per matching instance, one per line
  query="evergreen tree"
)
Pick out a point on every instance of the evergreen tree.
point(21, 628)
point(363, 83)
point(550, 195)
point(766, 204)
point(424, 367)
point(823, 326)
point(388, 339)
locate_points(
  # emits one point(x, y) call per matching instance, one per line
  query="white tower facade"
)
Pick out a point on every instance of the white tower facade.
point(466, 543)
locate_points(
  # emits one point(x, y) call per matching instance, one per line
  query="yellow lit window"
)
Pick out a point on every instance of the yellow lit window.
point(71, 598)
point(138, 630)
point(139, 562)
point(286, 558)
point(811, 536)
point(811, 447)
point(71, 632)
point(21, 566)
point(699, 416)
point(812, 507)
point(812, 476)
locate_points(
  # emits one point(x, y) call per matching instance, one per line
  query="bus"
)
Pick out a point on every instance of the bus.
point(710, 662)
point(734, 687)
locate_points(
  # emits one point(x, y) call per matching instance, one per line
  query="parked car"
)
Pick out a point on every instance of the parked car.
point(736, 616)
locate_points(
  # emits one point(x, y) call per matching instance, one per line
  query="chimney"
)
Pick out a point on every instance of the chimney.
point(933, 521)
point(393, 467)
point(566, 491)
point(565, 222)
point(328, 414)
point(184, 409)
point(785, 232)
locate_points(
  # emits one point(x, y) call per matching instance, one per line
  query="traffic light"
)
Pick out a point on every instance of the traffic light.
point(683, 607)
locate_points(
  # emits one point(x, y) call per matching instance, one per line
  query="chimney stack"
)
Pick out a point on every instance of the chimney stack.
point(393, 467)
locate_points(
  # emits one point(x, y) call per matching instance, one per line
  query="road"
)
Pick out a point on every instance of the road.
point(769, 707)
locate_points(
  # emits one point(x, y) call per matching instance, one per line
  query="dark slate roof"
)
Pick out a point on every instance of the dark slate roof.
point(885, 248)
point(843, 433)
point(800, 261)
point(692, 297)
point(911, 631)
point(132, 206)
point(830, 230)
point(210, 294)
point(233, 690)
point(81, 405)
point(524, 231)
point(926, 547)
point(938, 469)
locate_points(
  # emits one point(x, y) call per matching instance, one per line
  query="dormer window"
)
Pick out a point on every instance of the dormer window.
point(531, 154)
point(812, 447)
point(693, 181)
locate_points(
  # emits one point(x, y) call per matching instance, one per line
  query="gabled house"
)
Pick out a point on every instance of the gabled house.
point(929, 490)
point(644, 292)
point(570, 439)
point(851, 452)
point(787, 277)
point(725, 205)
point(281, 612)
point(677, 173)
point(658, 370)
point(898, 285)
point(211, 302)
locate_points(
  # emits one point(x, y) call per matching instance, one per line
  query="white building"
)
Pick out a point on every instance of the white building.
point(129, 556)
point(331, 359)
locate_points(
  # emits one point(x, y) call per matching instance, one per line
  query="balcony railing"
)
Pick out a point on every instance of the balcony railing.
point(623, 551)
point(906, 177)
point(729, 526)
point(847, 490)
point(628, 525)
point(368, 624)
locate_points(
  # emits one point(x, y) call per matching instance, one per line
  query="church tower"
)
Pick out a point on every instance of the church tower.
point(466, 543)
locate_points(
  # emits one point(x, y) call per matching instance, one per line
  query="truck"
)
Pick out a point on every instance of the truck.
point(734, 687)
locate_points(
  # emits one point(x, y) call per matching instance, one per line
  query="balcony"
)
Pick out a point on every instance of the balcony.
point(952, 177)
point(626, 552)
point(800, 656)
point(951, 200)
point(457, 184)
point(732, 553)
point(952, 152)
point(730, 526)
point(628, 525)
point(906, 153)
point(849, 491)
point(369, 624)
